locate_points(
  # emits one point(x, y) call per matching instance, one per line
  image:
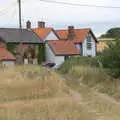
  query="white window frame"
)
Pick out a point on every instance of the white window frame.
point(89, 42)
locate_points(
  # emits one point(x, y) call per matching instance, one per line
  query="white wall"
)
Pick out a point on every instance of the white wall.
point(51, 36)
point(11, 63)
point(50, 56)
point(59, 60)
point(92, 51)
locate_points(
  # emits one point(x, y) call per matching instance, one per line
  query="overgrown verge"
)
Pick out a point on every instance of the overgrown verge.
point(51, 109)
point(36, 93)
point(87, 70)
point(78, 61)
point(95, 78)
point(29, 82)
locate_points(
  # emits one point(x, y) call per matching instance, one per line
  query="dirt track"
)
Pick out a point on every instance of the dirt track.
point(98, 105)
point(91, 105)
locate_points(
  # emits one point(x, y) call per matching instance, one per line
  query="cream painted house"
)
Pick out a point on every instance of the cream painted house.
point(81, 41)
point(45, 33)
point(57, 51)
point(84, 40)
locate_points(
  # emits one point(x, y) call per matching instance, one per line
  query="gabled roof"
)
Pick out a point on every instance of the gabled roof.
point(6, 55)
point(63, 47)
point(14, 35)
point(43, 32)
point(80, 34)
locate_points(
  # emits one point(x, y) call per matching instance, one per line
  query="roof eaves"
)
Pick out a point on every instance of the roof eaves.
point(93, 35)
point(66, 54)
point(8, 60)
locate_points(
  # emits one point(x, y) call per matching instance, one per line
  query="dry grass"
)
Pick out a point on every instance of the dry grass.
point(97, 79)
point(103, 106)
point(88, 75)
point(25, 83)
point(56, 109)
point(36, 93)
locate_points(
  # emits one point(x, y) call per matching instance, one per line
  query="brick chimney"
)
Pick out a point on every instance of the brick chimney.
point(71, 32)
point(28, 24)
point(41, 24)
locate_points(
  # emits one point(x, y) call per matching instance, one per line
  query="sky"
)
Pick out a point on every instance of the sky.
point(60, 16)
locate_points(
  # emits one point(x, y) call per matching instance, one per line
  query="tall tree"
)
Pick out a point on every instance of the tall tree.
point(112, 33)
point(111, 58)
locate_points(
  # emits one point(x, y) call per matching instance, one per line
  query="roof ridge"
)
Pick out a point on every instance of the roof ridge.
point(75, 29)
point(44, 28)
point(14, 28)
point(12, 35)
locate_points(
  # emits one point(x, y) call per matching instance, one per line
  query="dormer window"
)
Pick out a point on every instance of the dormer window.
point(89, 42)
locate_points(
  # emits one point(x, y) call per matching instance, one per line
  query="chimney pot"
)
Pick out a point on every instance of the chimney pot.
point(71, 32)
point(41, 24)
point(28, 25)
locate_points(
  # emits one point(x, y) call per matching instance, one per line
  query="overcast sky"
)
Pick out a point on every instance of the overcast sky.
point(60, 16)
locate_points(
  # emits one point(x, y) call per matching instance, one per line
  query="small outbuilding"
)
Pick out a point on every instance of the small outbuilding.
point(6, 57)
point(57, 51)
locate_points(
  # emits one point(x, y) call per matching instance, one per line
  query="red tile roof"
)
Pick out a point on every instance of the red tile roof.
point(63, 47)
point(42, 32)
point(79, 34)
point(6, 55)
point(63, 34)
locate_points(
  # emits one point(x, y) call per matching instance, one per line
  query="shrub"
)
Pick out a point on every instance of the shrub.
point(12, 47)
point(41, 53)
point(111, 59)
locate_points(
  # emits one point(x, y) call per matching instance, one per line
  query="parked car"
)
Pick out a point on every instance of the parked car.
point(48, 64)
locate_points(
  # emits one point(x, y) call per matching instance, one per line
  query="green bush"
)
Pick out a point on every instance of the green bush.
point(41, 53)
point(111, 59)
point(11, 47)
point(112, 33)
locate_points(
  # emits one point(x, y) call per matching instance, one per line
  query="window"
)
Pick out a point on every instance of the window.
point(66, 57)
point(89, 42)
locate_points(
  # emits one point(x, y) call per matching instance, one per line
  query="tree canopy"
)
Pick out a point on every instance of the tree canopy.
point(111, 58)
point(112, 33)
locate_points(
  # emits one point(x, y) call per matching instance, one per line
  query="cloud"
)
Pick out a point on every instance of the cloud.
point(56, 14)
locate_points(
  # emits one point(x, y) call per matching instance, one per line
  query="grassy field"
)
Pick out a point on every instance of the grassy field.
point(26, 83)
point(36, 93)
point(101, 106)
point(97, 79)
point(88, 71)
